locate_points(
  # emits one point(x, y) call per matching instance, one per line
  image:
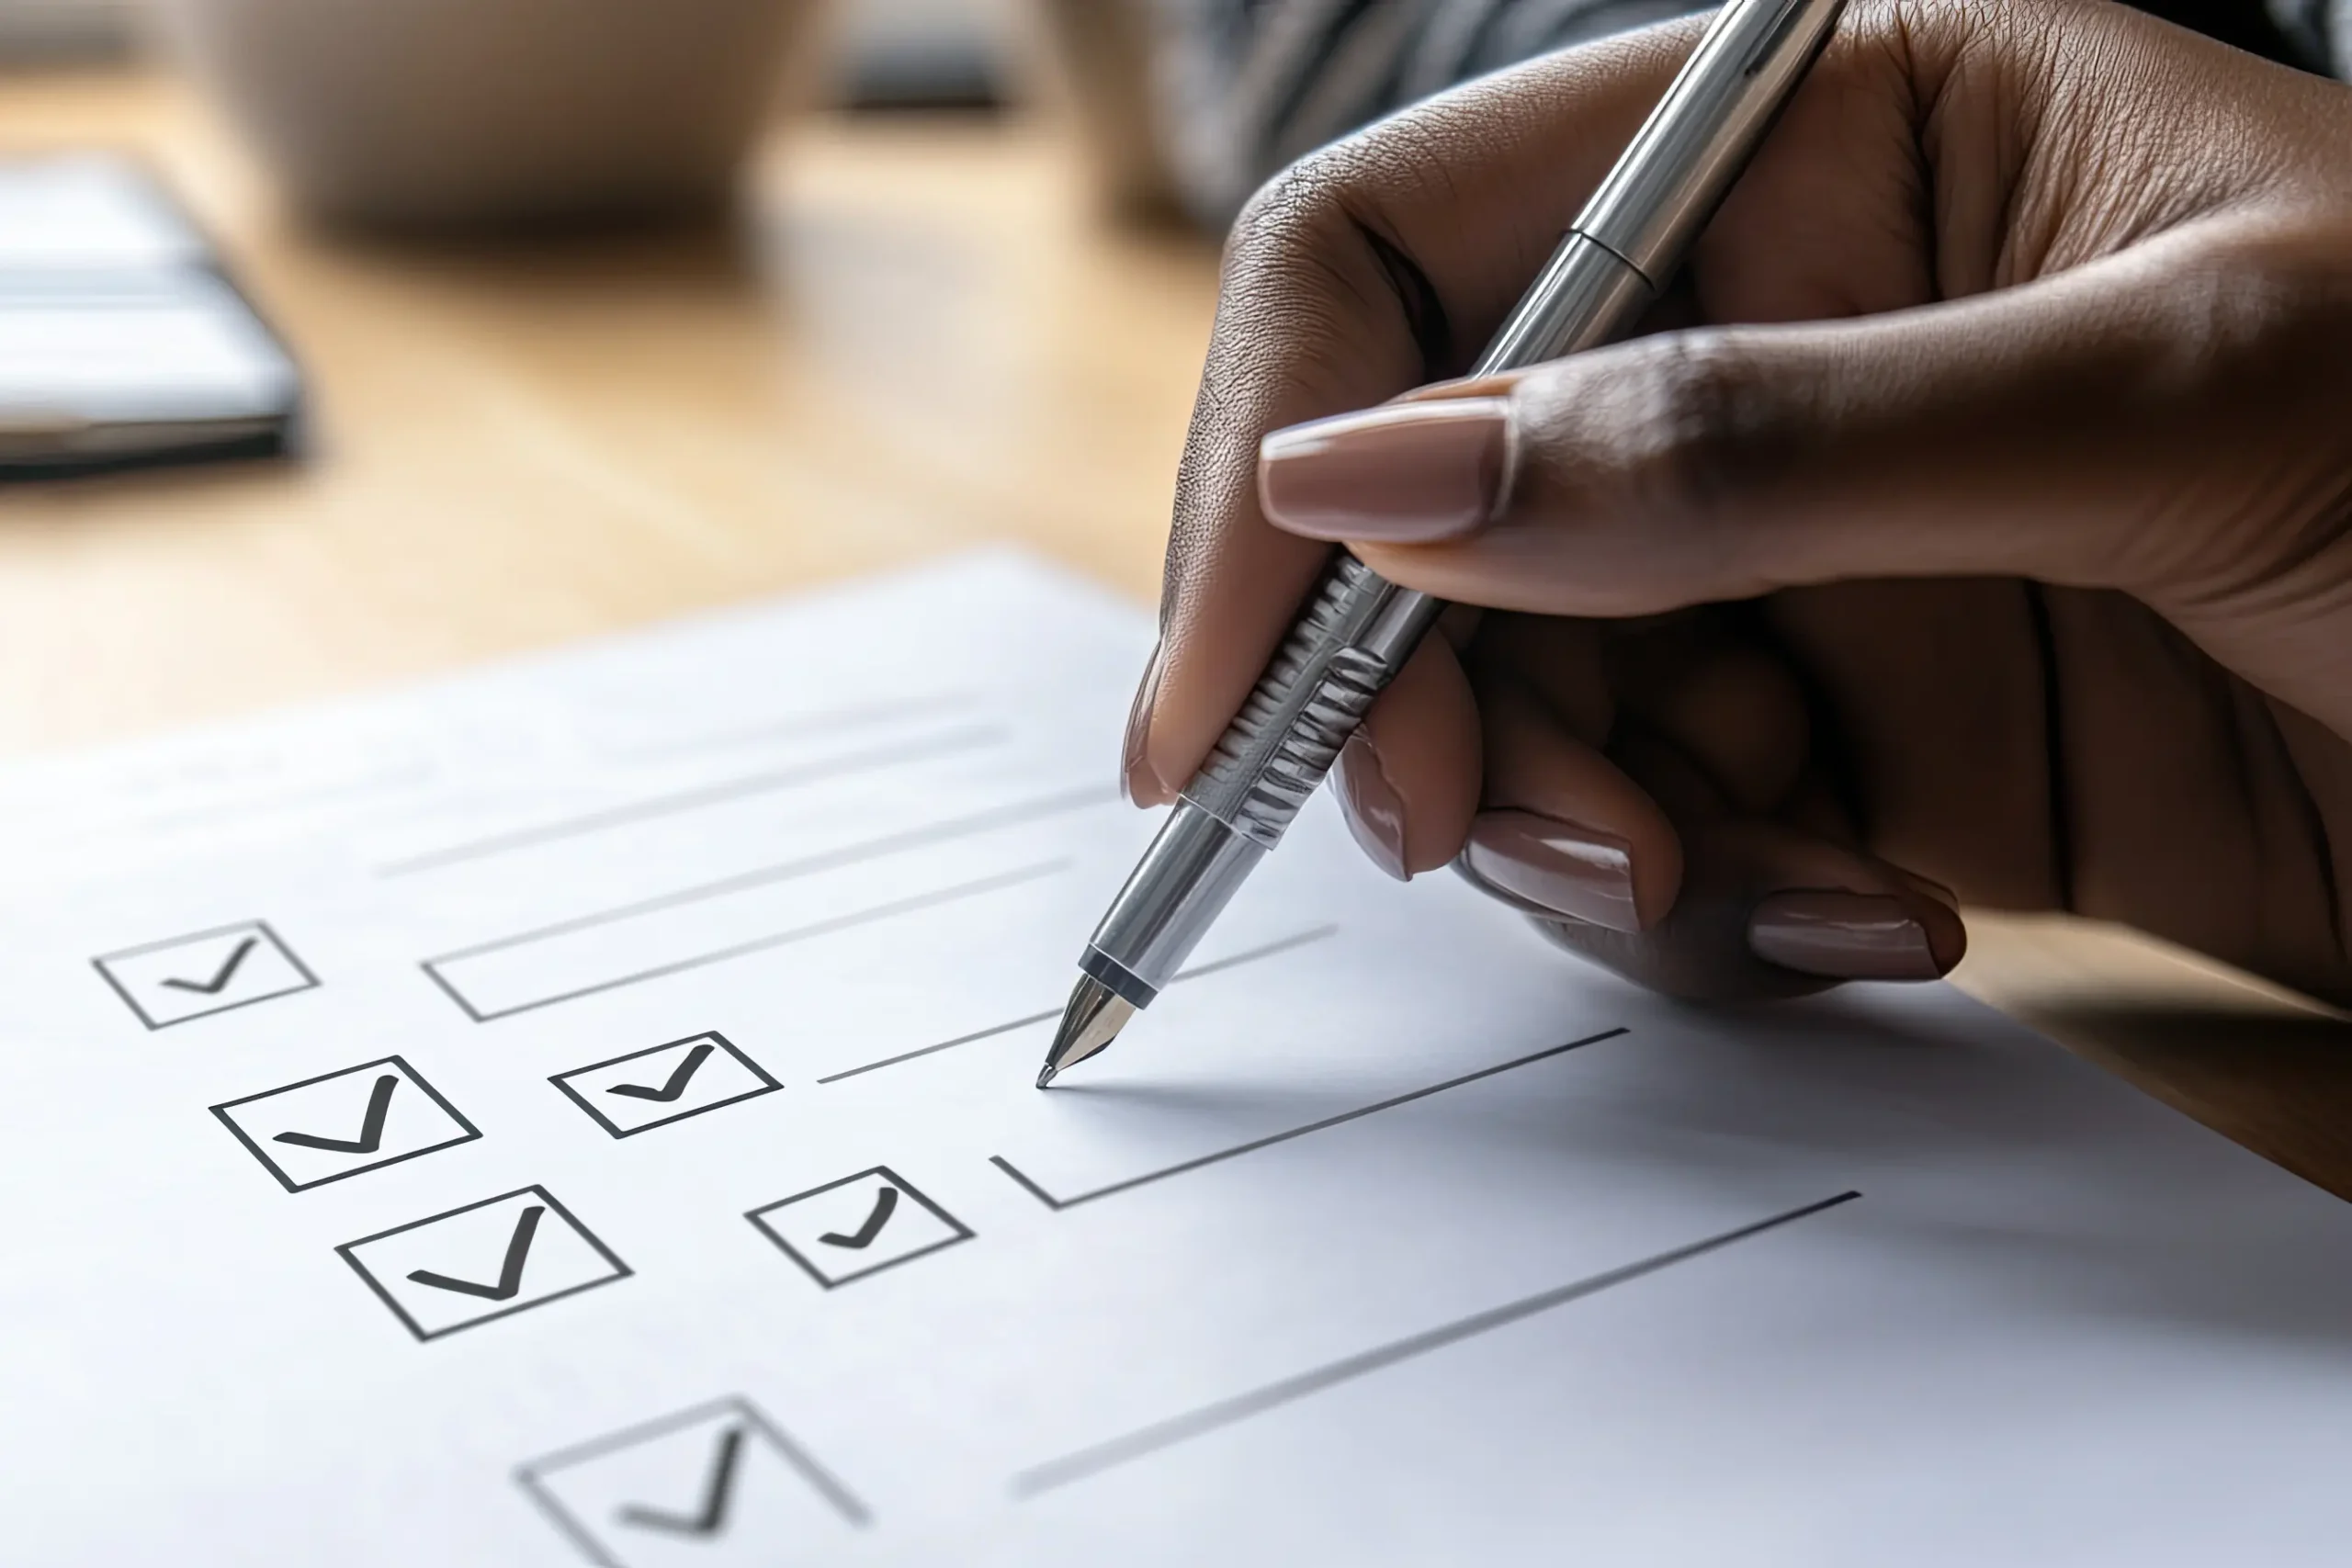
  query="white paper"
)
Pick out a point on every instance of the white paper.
point(588, 1118)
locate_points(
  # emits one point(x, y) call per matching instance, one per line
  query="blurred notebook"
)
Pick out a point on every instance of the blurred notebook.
point(121, 342)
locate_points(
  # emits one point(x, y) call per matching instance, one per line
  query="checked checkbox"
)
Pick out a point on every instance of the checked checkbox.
point(652, 1088)
point(342, 1124)
point(719, 1483)
point(858, 1226)
point(196, 976)
point(489, 1260)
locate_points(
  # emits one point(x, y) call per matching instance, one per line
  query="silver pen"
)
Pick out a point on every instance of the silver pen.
point(1358, 629)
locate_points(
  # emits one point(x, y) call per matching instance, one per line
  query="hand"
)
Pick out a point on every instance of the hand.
point(1976, 511)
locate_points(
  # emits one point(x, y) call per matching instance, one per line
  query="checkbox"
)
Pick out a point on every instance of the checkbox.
point(649, 1089)
point(194, 976)
point(719, 1483)
point(858, 1226)
point(489, 1260)
point(340, 1124)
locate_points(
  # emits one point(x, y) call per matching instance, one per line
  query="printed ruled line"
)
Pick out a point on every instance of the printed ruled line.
point(1162, 1435)
point(876, 759)
point(1251, 956)
point(760, 944)
point(1014, 815)
point(829, 721)
point(1131, 1183)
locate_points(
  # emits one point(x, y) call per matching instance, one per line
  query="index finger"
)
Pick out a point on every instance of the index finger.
point(1372, 268)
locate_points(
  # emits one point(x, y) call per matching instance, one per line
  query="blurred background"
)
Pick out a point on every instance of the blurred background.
point(379, 336)
point(895, 51)
point(596, 311)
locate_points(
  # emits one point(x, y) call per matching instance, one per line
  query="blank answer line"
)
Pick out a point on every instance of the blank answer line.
point(991, 1032)
point(1020, 811)
point(1058, 1204)
point(826, 720)
point(1226, 1412)
point(874, 760)
point(1249, 956)
point(760, 944)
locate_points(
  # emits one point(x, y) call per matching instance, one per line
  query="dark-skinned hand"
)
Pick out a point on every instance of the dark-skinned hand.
point(1973, 523)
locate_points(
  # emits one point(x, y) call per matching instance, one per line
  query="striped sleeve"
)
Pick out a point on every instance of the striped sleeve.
point(1248, 85)
point(2319, 31)
point(1245, 86)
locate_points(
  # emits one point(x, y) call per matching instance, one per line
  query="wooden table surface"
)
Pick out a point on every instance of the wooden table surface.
point(918, 337)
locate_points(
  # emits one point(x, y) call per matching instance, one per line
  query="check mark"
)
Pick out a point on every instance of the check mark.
point(220, 980)
point(680, 1075)
point(371, 1126)
point(715, 1496)
point(510, 1273)
point(886, 1204)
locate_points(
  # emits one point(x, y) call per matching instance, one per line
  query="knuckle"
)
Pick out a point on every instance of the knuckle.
point(1291, 218)
point(2251, 307)
point(2254, 335)
point(1659, 451)
point(1697, 427)
point(1273, 303)
point(1303, 312)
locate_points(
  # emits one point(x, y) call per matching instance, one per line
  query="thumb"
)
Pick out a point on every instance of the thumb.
point(2067, 430)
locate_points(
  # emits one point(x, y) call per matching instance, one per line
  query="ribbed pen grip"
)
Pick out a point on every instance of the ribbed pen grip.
point(1342, 651)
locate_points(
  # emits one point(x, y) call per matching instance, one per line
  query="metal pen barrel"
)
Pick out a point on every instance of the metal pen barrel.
point(1358, 629)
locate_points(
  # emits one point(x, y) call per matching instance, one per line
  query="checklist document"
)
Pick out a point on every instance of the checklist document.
point(581, 1112)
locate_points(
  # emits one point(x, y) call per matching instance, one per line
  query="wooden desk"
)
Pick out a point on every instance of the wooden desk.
point(920, 339)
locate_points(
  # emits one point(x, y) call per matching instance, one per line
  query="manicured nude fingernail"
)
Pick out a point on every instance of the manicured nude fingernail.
point(1402, 473)
point(1142, 787)
point(1576, 870)
point(1375, 812)
point(1842, 936)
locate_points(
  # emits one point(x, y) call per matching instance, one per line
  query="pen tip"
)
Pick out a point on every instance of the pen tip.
point(1091, 1021)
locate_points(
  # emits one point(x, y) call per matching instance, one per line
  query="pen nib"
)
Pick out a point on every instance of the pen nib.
point(1093, 1019)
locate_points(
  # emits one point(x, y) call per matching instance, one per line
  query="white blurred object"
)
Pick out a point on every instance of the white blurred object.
point(120, 341)
point(483, 114)
point(927, 53)
point(69, 29)
point(88, 211)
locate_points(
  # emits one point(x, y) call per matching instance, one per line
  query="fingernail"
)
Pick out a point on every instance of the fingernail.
point(1573, 870)
point(1842, 936)
point(1139, 783)
point(1401, 473)
point(1372, 810)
